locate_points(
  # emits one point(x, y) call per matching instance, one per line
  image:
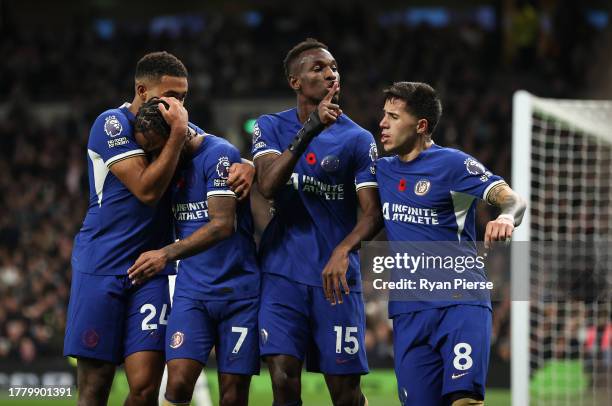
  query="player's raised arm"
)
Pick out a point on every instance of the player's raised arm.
point(148, 182)
point(273, 170)
point(222, 214)
point(368, 225)
point(512, 209)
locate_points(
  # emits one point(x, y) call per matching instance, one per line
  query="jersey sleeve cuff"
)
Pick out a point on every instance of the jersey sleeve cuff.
point(265, 152)
point(125, 155)
point(221, 193)
point(364, 185)
point(491, 186)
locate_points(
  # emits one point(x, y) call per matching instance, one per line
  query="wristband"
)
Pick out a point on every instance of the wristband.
point(247, 162)
point(312, 127)
point(508, 217)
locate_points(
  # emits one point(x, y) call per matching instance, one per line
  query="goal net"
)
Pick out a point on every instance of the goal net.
point(562, 335)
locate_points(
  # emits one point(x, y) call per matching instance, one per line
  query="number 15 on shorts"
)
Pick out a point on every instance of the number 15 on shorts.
point(347, 341)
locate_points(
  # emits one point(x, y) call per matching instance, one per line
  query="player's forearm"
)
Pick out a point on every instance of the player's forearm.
point(202, 239)
point(156, 177)
point(509, 202)
point(275, 173)
point(366, 228)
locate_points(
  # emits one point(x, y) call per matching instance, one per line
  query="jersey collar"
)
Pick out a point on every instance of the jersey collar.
point(125, 108)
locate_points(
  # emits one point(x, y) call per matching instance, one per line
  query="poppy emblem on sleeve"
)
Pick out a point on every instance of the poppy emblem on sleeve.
point(311, 158)
point(402, 185)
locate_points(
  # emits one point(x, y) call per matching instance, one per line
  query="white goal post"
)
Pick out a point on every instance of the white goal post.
point(562, 165)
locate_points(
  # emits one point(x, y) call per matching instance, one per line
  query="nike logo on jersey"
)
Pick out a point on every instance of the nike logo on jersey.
point(453, 376)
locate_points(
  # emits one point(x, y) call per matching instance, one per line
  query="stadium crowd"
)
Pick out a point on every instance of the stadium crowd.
point(86, 69)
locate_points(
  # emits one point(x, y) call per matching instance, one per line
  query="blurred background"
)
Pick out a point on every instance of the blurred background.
point(63, 63)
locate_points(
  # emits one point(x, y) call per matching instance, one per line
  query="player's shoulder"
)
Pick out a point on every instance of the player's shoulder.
point(215, 145)
point(115, 111)
point(112, 121)
point(217, 154)
point(447, 155)
point(461, 157)
point(386, 162)
point(447, 151)
point(278, 119)
point(349, 127)
point(455, 161)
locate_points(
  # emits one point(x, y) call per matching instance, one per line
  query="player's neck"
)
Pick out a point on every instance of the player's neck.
point(193, 143)
point(304, 108)
point(412, 152)
point(134, 105)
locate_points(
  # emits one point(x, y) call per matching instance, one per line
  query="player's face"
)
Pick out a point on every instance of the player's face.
point(168, 86)
point(316, 71)
point(151, 142)
point(398, 127)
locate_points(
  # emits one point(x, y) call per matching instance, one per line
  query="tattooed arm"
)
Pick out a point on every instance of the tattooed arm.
point(512, 209)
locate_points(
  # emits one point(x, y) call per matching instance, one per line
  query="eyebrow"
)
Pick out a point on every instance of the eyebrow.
point(172, 93)
point(390, 112)
point(324, 61)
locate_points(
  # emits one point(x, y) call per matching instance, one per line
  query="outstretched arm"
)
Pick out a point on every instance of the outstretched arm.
point(512, 209)
point(221, 211)
point(369, 224)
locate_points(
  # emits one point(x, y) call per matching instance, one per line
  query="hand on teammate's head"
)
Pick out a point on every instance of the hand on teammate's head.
point(175, 115)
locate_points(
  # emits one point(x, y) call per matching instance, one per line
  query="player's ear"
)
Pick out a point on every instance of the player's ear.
point(422, 126)
point(141, 91)
point(294, 82)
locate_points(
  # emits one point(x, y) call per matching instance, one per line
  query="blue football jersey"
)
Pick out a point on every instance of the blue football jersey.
point(432, 198)
point(317, 208)
point(228, 270)
point(117, 227)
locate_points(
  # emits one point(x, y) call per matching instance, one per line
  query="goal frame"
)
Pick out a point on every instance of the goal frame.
point(589, 117)
point(522, 110)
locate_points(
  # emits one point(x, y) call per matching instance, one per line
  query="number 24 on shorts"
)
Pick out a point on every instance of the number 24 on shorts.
point(148, 307)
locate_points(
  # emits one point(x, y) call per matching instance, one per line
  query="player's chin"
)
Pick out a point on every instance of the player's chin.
point(388, 147)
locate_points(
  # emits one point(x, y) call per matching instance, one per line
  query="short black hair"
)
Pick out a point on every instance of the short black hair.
point(421, 99)
point(157, 64)
point(150, 119)
point(294, 53)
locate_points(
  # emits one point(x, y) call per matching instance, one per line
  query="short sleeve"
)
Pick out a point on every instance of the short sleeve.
point(195, 128)
point(112, 139)
point(366, 154)
point(471, 177)
point(217, 168)
point(264, 138)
